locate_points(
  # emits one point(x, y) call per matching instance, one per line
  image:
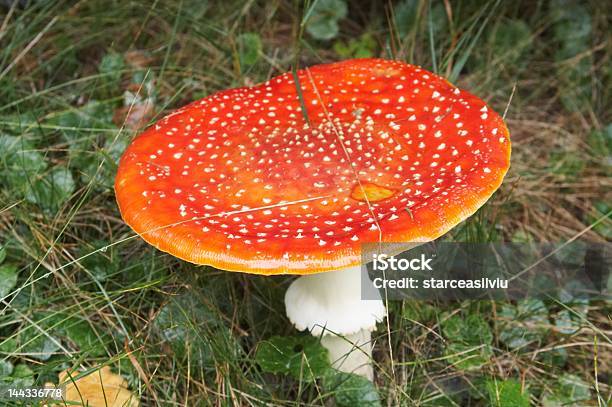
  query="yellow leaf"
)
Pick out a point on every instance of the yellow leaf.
point(101, 388)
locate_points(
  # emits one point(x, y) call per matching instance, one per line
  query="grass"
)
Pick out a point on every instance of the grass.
point(89, 293)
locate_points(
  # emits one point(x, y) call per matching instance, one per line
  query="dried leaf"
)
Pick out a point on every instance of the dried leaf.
point(138, 58)
point(101, 388)
point(135, 116)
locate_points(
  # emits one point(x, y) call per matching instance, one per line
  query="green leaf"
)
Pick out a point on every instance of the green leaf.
point(439, 20)
point(92, 115)
point(350, 389)
point(21, 377)
point(2, 253)
point(249, 48)
point(418, 311)
point(8, 346)
point(511, 39)
point(36, 344)
point(467, 356)
point(572, 27)
point(522, 321)
point(194, 331)
point(6, 368)
point(323, 17)
point(51, 191)
point(534, 309)
point(600, 142)
point(507, 393)
point(18, 153)
point(566, 322)
point(114, 148)
point(555, 357)
point(8, 279)
point(517, 337)
point(522, 236)
point(76, 330)
point(110, 66)
point(102, 167)
point(472, 330)
point(601, 210)
point(362, 47)
point(101, 264)
point(300, 356)
point(406, 16)
point(570, 391)
point(469, 341)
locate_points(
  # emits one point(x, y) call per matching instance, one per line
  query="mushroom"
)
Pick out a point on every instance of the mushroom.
point(245, 180)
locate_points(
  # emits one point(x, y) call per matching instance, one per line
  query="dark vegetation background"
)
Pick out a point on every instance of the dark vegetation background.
point(80, 291)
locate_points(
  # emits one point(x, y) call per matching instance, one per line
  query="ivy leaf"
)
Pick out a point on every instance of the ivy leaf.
point(93, 114)
point(521, 321)
point(21, 377)
point(507, 393)
point(51, 191)
point(464, 356)
point(8, 346)
point(300, 356)
point(572, 27)
point(567, 322)
point(37, 345)
point(18, 153)
point(570, 389)
point(77, 331)
point(101, 169)
point(362, 47)
point(8, 279)
point(110, 66)
point(512, 39)
point(406, 16)
point(350, 389)
point(249, 48)
point(555, 357)
point(6, 368)
point(322, 22)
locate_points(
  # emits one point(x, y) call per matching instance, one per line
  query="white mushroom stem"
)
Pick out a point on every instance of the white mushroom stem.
point(330, 305)
point(351, 353)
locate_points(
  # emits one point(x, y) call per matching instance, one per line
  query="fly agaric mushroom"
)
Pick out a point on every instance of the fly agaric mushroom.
point(244, 180)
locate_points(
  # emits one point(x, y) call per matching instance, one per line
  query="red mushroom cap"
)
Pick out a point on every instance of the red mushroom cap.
point(239, 180)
